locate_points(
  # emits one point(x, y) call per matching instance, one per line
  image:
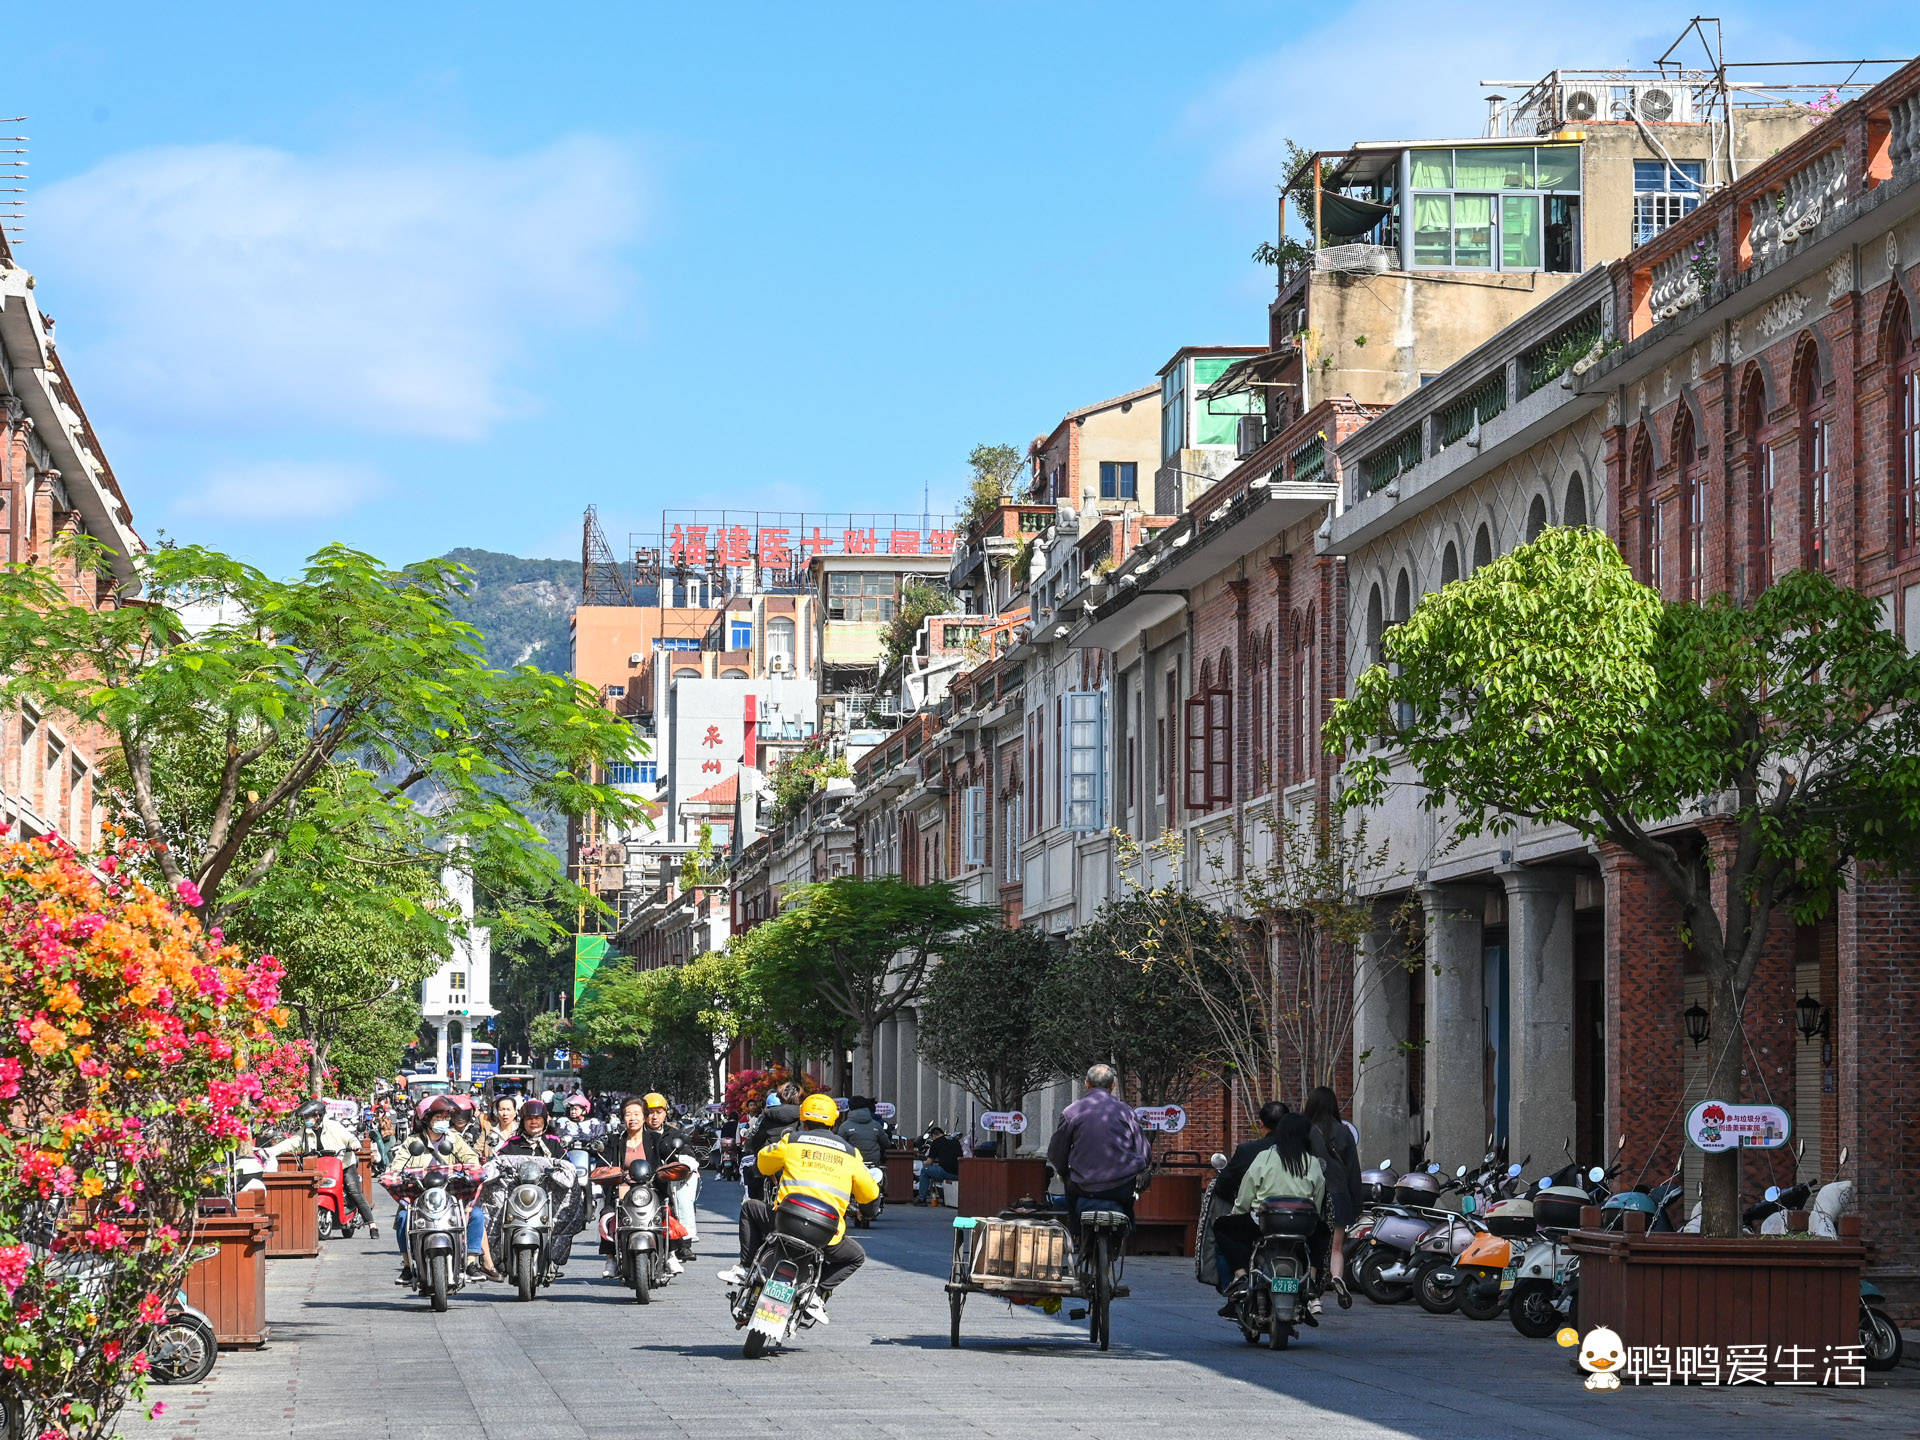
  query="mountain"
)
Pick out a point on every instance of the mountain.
point(521, 606)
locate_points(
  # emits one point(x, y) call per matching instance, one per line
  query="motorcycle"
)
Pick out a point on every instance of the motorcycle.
point(525, 1214)
point(1383, 1262)
point(1280, 1278)
point(785, 1275)
point(641, 1226)
point(729, 1166)
point(436, 1200)
point(1545, 1280)
point(335, 1216)
point(1478, 1269)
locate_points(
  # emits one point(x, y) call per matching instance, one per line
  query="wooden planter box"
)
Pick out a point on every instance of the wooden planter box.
point(1770, 1292)
point(296, 1223)
point(366, 1169)
point(231, 1284)
point(1167, 1217)
point(989, 1185)
point(899, 1167)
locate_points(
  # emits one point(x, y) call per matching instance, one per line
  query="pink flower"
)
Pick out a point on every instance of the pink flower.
point(14, 1260)
point(159, 1409)
point(10, 1073)
point(189, 892)
point(108, 1236)
point(152, 1312)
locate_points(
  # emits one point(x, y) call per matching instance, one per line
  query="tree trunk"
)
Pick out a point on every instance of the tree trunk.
point(869, 1033)
point(317, 1069)
point(1720, 1174)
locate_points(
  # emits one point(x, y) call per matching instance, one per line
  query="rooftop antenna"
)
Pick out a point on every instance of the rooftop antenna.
point(13, 178)
point(601, 582)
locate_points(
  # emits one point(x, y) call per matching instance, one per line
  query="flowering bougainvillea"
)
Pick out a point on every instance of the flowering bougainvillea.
point(131, 1050)
point(745, 1085)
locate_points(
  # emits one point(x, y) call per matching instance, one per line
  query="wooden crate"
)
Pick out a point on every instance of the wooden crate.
point(1021, 1252)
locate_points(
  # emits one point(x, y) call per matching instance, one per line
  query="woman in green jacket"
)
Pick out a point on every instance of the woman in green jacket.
point(1289, 1169)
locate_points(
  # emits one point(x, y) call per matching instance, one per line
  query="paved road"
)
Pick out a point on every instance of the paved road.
point(354, 1357)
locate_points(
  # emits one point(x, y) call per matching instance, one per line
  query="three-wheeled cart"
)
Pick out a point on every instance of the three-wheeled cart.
point(1033, 1261)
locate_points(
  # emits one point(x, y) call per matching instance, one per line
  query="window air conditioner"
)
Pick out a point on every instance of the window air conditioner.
point(1253, 434)
point(634, 662)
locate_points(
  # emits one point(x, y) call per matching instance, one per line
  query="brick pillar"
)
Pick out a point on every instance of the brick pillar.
point(1379, 1103)
point(1875, 1026)
point(1645, 1031)
point(1454, 1057)
point(1541, 1114)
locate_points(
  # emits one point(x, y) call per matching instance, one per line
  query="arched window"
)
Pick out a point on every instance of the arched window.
point(1376, 625)
point(1536, 517)
point(1816, 479)
point(1904, 412)
point(1693, 507)
point(1760, 480)
point(781, 648)
point(1640, 482)
point(1574, 512)
point(733, 674)
point(1402, 598)
point(1305, 720)
point(686, 674)
point(1482, 548)
point(1450, 564)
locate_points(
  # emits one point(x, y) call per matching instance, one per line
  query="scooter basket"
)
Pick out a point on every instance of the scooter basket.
point(1285, 1215)
point(805, 1218)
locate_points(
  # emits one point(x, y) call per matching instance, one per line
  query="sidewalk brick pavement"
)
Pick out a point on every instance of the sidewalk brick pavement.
point(355, 1358)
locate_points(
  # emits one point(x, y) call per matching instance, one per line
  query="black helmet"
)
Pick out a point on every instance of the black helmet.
point(533, 1109)
point(312, 1110)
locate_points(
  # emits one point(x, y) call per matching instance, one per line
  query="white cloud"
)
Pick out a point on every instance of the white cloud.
point(386, 292)
point(1381, 70)
point(280, 490)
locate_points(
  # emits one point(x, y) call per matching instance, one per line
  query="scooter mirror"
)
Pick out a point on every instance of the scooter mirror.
point(1545, 1181)
point(1434, 1168)
point(1386, 1164)
point(1773, 1193)
point(1596, 1175)
point(1513, 1172)
point(1620, 1145)
point(1461, 1173)
point(1219, 1161)
point(1843, 1155)
point(416, 1146)
point(445, 1147)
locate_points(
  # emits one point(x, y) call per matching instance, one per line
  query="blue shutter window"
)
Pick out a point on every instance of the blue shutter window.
point(1083, 776)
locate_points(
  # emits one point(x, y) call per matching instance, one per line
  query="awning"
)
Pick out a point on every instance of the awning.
point(1343, 217)
point(1240, 375)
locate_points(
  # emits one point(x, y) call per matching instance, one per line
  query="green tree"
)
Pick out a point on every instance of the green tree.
point(1552, 688)
point(976, 1024)
point(801, 776)
point(996, 470)
point(642, 1032)
point(1122, 995)
point(547, 1032)
point(353, 670)
point(855, 950)
point(918, 600)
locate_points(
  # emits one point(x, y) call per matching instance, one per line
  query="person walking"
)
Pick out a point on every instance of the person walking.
point(1334, 1147)
point(1100, 1148)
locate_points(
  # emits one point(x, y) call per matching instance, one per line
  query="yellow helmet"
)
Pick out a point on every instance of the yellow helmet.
point(654, 1100)
point(820, 1109)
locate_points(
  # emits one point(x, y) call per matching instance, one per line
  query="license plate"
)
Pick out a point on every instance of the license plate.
point(1508, 1276)
point(776, 1303)
point(1286, 1285)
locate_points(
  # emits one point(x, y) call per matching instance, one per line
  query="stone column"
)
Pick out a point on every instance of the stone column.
point(1379, 1102)
point(1454, 1098)
point(441, 1057)
point(1540, 1108)
point(906, 1074)
point(466, 1048)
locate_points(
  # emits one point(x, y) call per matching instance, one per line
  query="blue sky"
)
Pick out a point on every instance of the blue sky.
point(432, 275)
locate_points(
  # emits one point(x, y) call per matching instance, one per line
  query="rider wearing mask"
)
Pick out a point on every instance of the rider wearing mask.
point(436, 1124)
point(1288, 1168)
point(815, 1162)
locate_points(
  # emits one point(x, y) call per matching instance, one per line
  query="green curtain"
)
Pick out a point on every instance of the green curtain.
point(1433, 169)
point(1519, 232)
point(1433, 229)
point(1506, 168)
point(1473, 231)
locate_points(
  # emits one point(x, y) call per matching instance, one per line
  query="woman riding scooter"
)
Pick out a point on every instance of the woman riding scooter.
point(530, 1137)
point(436, 1122)
point(1289, 1168)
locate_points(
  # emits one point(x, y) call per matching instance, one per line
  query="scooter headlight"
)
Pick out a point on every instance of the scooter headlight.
point(436, 1201)
point(526, 1200)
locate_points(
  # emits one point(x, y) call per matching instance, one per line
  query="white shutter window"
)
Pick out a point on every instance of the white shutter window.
point(973, 825)
point(1083, 765)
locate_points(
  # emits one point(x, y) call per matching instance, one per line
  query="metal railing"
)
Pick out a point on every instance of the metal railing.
point(1383, 467)
point(1455, 421)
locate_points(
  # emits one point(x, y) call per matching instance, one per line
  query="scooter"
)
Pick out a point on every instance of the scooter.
point(1478, 1269)
point(335, 1216)
point(784, 1275)
point(525, 1212)
point(436, 1199)
point(642, 1227)
point(1545, 1279)
point(183, 1347)
point(863, 1215)
point(1271, 1298)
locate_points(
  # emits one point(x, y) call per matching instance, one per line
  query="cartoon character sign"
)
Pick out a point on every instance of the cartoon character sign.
point(1602, 1354)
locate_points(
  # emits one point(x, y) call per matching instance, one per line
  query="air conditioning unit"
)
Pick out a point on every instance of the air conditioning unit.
point(1253, 434)
point(1658, 103)
point(634, 662)
point(1580, 103)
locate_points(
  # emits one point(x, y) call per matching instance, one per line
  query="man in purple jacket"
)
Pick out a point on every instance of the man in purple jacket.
point(1100, 1148)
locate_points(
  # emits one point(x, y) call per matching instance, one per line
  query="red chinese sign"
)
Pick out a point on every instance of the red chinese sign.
point(724, 540)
